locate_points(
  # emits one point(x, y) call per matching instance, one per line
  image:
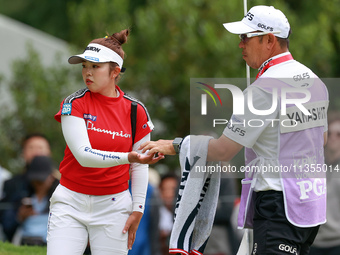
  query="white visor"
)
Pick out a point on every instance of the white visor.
point(97, 53)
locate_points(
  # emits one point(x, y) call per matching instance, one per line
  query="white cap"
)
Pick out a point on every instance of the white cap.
point(98, 53)
point(261, 18)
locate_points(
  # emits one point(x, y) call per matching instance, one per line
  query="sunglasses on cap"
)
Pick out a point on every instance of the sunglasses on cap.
point(245, 37)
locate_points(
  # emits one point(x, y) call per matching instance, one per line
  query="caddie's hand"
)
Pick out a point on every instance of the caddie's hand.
point(164, 147)
point(150, 159)
point(131, 227)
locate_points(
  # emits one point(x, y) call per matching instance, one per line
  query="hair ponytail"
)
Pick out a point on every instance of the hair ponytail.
point(114, 41)
point(120, 37)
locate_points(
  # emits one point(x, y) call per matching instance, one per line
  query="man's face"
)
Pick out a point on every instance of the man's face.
point(333, 143)
point(253, 51)
point(35, 146)
point(168, 191)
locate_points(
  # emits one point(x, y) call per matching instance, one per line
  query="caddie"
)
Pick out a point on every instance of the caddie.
point(284, 208)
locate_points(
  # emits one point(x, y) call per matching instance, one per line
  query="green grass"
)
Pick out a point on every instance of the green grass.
point(10, 249)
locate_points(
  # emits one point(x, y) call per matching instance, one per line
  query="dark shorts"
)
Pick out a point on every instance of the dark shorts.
point(325, 251)
point(273, 233)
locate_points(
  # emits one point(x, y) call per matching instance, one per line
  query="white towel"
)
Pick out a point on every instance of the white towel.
point(246, 245)
point(197, 198)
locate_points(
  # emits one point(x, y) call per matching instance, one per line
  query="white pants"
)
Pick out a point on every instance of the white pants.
point(75, 218)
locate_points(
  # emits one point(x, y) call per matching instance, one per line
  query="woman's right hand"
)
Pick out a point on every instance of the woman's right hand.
point(131, 227)
point(135, 157)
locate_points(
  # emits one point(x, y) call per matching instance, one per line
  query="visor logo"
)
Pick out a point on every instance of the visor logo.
point(93, 59)
point(91, 48)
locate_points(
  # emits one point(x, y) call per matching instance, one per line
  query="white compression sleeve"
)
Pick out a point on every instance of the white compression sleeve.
point(139, 176)
point(76, 137)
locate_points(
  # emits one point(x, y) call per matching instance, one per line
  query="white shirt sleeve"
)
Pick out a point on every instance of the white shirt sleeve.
point(246, 129)
point(139, 176)
point(76, 137)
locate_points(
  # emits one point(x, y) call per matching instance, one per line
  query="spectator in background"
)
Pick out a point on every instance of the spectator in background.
point(168, 188)
point(327, 241)
point(18, 186)
point(32, 213)
point(4, 176)
point(35, 144)
point(154, 178)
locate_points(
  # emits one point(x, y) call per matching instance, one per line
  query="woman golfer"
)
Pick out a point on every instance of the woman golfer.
point(102, 132)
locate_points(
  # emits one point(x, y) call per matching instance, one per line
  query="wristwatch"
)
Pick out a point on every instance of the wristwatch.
point(177, 144)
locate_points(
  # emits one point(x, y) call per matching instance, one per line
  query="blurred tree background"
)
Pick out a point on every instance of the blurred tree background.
point(171, 41)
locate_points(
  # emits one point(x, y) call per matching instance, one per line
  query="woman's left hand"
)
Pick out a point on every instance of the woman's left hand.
point(131, 227)
point(135, 157)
